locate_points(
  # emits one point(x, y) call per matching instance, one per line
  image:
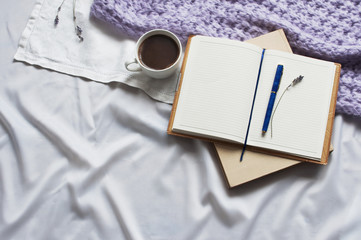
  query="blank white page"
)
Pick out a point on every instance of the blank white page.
point(217, 89)
point(300, 121)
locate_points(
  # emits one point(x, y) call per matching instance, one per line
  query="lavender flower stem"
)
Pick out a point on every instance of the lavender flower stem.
point(294, 82)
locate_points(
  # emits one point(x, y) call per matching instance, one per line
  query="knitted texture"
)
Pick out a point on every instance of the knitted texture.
point(328, 29)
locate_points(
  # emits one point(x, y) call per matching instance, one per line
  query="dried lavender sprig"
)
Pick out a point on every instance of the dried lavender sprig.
point(293, 83)
point(78, 29)
point(56, 20)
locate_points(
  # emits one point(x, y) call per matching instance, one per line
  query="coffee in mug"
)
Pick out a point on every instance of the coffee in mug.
point(157, 54)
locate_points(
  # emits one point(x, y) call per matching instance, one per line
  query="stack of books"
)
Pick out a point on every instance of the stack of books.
point(225, 90)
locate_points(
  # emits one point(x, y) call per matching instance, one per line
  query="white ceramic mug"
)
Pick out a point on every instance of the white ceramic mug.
point(135, 65)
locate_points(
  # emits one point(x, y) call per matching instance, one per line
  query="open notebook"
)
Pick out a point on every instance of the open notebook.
point(220, 80)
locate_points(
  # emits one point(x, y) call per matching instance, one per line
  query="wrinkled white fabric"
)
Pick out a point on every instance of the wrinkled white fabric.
point(84, 160)
point(100, 57)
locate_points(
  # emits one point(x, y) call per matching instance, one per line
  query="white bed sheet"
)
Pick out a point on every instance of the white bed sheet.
point(86, 160)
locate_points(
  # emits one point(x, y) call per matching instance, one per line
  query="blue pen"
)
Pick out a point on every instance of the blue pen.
point(272, 97)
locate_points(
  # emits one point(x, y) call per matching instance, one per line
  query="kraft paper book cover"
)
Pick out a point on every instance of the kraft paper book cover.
point(207, 110)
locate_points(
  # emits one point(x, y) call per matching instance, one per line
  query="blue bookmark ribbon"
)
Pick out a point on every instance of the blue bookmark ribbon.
point(254, 98)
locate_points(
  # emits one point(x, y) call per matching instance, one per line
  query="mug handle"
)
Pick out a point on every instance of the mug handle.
point(132, 62)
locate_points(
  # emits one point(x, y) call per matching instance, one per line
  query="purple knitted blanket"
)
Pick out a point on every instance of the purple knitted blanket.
point(327, 29)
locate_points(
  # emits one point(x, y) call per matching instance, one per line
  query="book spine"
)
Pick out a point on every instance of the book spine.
point(179, 86)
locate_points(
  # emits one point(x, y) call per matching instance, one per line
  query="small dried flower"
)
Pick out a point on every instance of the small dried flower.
point(79, 31)
point(56, 21)
point(80, 38)
point(293, 83)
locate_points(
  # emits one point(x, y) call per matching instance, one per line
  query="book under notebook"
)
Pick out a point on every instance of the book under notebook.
point(215, 97)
